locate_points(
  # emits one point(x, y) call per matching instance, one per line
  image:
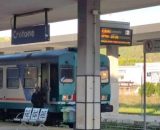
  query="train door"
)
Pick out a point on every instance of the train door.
point(54, 88)
point(45, 69)
point(50, 72)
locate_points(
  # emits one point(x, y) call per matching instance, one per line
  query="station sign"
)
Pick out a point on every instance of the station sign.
point(115, 36)
point(31, 34)
point(152, 46)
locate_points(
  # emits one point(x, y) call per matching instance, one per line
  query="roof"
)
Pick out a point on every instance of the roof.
point(61, 9)
point(30, 56)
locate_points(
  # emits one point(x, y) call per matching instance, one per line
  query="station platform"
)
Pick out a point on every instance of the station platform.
point(16, 126)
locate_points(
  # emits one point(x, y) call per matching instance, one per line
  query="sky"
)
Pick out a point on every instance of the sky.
point(136, 17)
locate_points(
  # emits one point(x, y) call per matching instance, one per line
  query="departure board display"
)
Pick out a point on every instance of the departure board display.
point(115, 36)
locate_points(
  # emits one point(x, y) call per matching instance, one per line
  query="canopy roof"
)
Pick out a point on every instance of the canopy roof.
point(61, 10)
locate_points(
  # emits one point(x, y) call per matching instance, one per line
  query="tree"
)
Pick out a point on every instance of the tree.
point(157, 89)
point(150, 89)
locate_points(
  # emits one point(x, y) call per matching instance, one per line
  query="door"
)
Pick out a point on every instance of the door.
point(54, 89)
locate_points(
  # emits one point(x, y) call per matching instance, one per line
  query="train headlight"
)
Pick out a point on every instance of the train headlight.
point(65, 98)
point(69, 97)
point(104, 97)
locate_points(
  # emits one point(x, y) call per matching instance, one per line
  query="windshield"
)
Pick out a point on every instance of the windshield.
point(66, 74)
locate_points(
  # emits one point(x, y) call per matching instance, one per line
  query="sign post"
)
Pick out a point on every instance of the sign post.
point(149, 46)
point(144, 86)
point(31, 34)
point(152, 46)
point(112, 35)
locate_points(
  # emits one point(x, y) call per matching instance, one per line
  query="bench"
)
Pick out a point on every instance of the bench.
point(36, 116)
point(26, 116)
point(42, 117)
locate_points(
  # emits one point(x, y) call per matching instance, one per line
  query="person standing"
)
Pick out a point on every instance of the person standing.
point(36, 99)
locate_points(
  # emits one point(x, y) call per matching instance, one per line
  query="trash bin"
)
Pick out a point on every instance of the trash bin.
point(65, 114)
point(68, 114)
point(71, 115)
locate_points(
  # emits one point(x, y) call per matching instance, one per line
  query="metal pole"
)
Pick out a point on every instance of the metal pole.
point(14, 22)
point(144, 87)
point(46, 16)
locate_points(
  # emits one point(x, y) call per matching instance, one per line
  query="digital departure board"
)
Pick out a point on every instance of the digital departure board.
point(115, 36)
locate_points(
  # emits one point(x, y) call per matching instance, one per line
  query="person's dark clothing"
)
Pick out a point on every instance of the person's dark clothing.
point(37, 100)
point(44, 92)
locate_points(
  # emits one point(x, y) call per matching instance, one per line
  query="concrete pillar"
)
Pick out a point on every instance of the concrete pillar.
point(88, 79)
point(113, 57)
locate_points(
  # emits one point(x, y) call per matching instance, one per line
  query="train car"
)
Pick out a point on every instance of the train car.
point(21, 73)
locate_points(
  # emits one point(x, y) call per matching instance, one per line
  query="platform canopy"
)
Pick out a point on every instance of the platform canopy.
point(61, 9)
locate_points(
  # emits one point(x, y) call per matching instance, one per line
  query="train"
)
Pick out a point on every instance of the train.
point(20, 73)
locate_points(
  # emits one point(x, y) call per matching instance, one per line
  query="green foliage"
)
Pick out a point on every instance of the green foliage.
point(4, 39)
point(130, 55)
point(157, 89)
point(133, 54)
point(128, 61)
point(1, 39)
point(150, 89)
point(133, 104)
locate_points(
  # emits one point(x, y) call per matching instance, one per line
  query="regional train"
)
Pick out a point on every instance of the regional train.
point(20, 73)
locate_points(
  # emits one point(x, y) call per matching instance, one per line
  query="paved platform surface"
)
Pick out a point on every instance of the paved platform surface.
point(16, 126)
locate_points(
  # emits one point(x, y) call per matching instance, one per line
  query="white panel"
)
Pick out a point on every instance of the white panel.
point(97, 116)
point(90, 89)
point(89, 116)
point(81, 89)
point(97, 89)
point(80, 116)
point(114, 99)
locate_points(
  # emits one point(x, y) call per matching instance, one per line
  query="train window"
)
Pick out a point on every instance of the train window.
point(30, 77)
point(12, 77)
point(104, 73)
point(1, 78)
point(66, 74)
